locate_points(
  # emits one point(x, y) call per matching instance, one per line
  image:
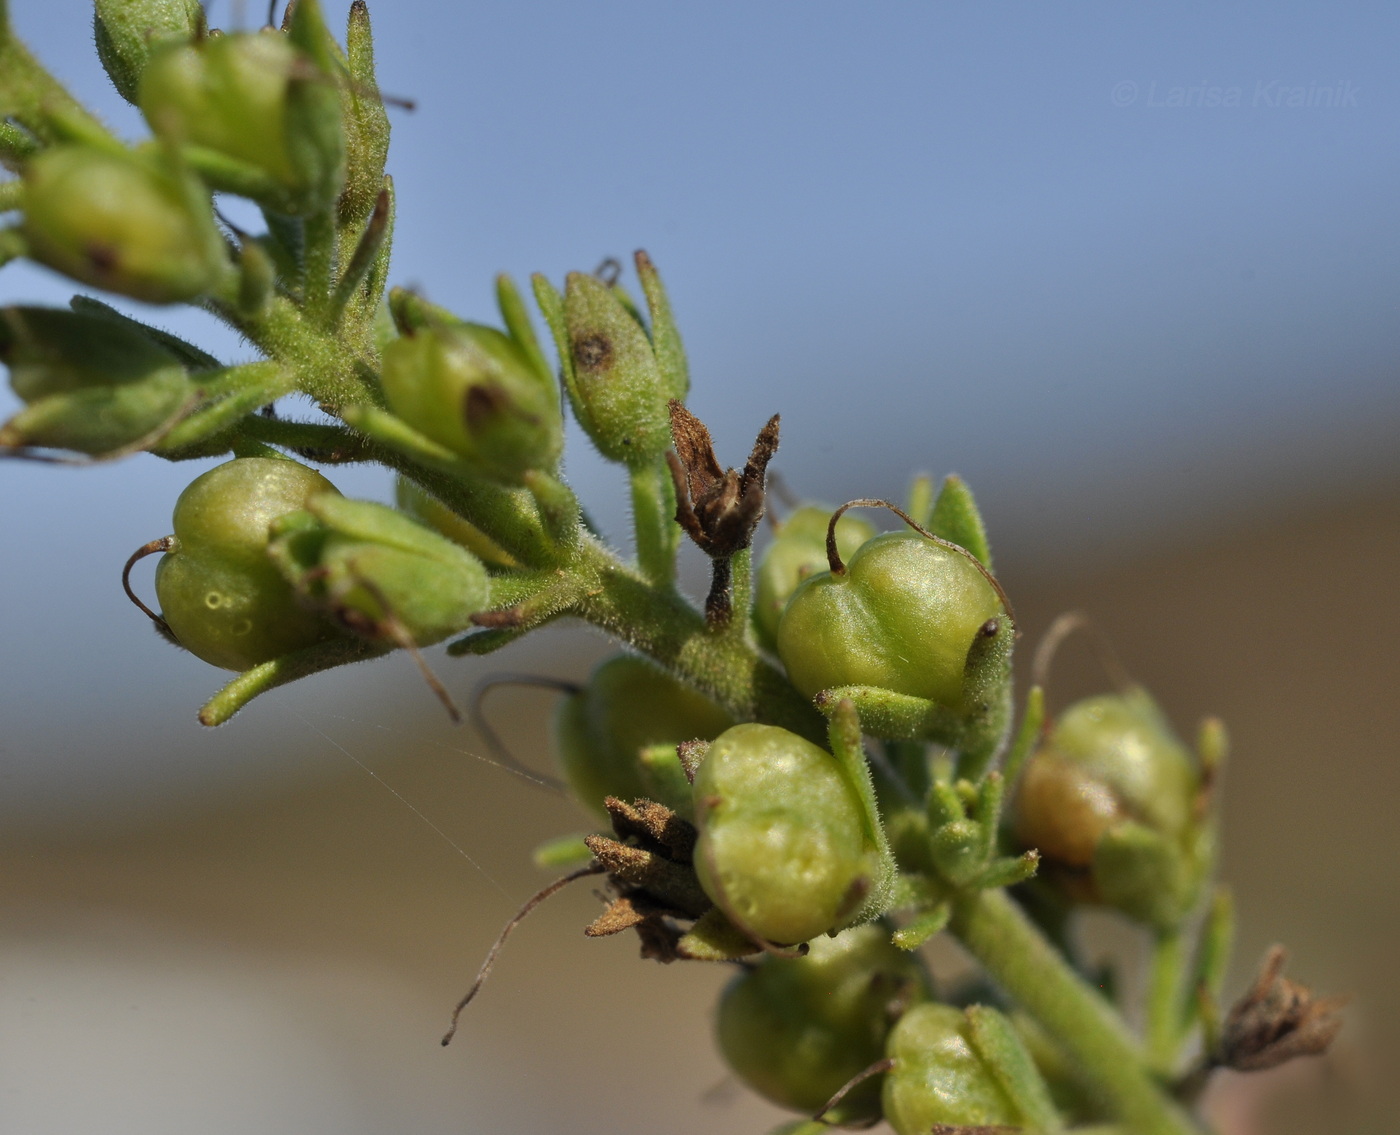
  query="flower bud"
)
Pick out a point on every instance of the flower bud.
point(252, 97)
point(796, 1029)
point(905, 616)
point(783, 846)
point(1110, 802)
point(89, 383)
point(220, 594)
point(798, 551)
point(610, 735)
point(121, 221)
point(940, 1078)
point(129, 32)
point(378, 572)
point(473, 390)
point(617, 387)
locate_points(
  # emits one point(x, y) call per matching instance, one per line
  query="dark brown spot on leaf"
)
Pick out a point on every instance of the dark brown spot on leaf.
point(593, 351)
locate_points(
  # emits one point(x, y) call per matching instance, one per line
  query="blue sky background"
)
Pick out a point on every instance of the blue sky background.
point(955, 237)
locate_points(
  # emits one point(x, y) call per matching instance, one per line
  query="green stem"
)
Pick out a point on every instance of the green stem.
point(1023, 963)
point(653, 518)
point(1164, 1002)
point(11, 195)
point(330, 445)
point(663, 625)
point(33, 97)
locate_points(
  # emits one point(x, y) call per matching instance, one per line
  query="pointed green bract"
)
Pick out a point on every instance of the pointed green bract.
point(379, 573)
point(365, 118)
point(955, 518)
point(998, 1043)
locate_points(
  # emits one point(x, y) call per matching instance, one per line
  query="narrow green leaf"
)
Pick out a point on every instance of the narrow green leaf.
point(924, 927)
point(998, 1043)
point(955, 517)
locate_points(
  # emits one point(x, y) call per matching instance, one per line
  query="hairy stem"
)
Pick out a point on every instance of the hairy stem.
point(1023, 963)
point(653, 511)
point(666, 627)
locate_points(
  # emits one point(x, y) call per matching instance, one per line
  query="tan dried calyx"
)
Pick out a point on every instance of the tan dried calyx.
point(718, 508)
point(1277, 1020)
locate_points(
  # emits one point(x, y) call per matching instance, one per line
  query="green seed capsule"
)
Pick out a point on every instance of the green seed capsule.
point(89, 383)
point(617, 736)
point(121, 222)
point(221, 594)
point(798, 551)
point(257, 100)
point(903, 617)
point(129, 32)
point(1110, 799)
point(473, 390)
point(940, 1077)
point(796, 1029)
point(783, 849)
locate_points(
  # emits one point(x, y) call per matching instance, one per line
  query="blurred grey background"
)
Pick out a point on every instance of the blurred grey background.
point(1132, 271)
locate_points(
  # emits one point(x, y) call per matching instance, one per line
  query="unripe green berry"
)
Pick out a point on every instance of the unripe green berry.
point(220, 593)
point(796, 1029)
point(122, 222)
point(798, 551)
point(128, 32)
point(471, 388)
point(904, 617)
point(783, 849)
point(609, 735)
point(89, 383)
point(940, 1078)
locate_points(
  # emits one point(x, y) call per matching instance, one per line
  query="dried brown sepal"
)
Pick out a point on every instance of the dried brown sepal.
point(1277, 1020)
point(622, 914)
point(659, 937)
point(655, 825)
point(718, 508)
point(673, 884)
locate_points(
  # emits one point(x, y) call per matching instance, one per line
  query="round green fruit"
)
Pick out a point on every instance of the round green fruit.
point(783, 849)
point(903, 616)
point(220, 594)
point(611, 736)
point(796, 1029)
